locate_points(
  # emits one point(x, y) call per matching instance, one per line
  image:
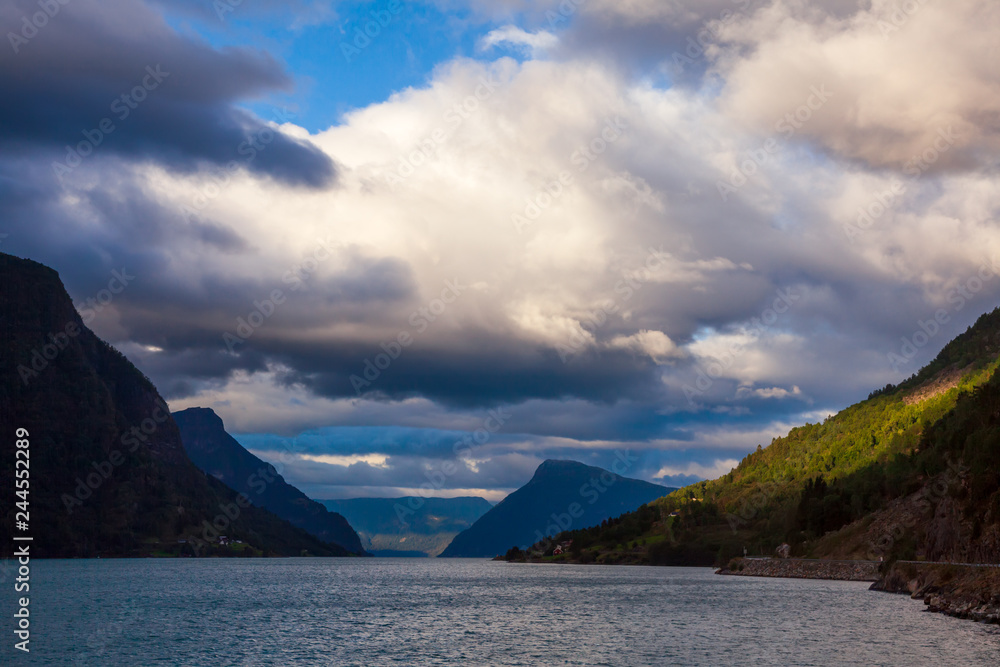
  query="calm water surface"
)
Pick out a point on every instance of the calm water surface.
point(469, 612)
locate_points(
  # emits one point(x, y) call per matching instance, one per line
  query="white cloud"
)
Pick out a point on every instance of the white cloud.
point(768, 392)
point(534, 43)
point(896, 77)
point(655, 344)
point(431, 180)
point(374, 460)
point(717, 468)
point(478, 161)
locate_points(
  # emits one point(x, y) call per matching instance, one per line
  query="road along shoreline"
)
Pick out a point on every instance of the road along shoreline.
point(803, 568)
point(962, 590)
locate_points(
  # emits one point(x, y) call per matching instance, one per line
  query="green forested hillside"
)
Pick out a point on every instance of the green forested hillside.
point(828, 488)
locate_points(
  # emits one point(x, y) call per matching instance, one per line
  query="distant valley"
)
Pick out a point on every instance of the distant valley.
point(409, 526)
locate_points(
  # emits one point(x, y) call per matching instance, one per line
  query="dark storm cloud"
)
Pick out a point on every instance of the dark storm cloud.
point(219, 13)
point(94, 52)
point(501, 472)
point(481, 370)
point(198, 277)
point(113, 78)
point(125, 228)
point(490, 372)
point(414, 458)
point(359, 288)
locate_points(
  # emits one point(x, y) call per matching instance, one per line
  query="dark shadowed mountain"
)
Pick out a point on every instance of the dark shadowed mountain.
point(108, 474)
point(221, 456)
point(409, 526)
point(562, 495)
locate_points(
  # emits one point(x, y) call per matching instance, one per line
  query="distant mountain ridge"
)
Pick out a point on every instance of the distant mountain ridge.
point(218, 454)
point(108, 473)
point(912, 472)
point(409, 526)
point(561, 495)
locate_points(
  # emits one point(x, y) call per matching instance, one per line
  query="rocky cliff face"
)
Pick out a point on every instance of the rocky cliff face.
point(952, 515)
point(218, 454)
point(963, 591)
point(108, 473)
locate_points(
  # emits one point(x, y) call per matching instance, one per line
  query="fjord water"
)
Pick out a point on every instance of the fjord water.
point(472, 612)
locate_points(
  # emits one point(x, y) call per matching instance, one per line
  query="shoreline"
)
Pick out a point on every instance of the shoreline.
point(803, 568)
point(962, 590)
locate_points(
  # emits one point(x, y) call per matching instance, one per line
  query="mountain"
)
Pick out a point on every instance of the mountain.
point(219, 454)
point(409, 526)
point(912, 472)
point(560, 495)
point(106, 472)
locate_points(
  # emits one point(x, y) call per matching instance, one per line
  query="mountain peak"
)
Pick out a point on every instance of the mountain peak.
point(203, 417)
point(90, 397)
point(554, 467)
point(557, 489)
point(220, 455)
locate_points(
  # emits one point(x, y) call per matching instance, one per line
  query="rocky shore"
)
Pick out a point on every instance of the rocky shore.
point(963, 591)
point(797, 568)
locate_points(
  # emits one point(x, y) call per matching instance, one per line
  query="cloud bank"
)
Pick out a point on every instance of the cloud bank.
point(673, 228)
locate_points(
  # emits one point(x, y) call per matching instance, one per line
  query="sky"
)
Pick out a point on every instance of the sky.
point(420, 247)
